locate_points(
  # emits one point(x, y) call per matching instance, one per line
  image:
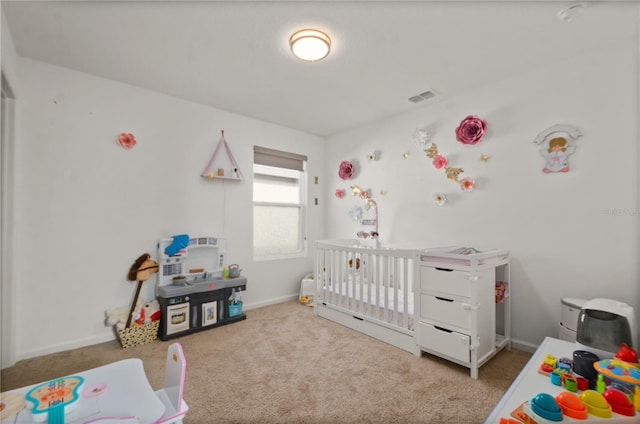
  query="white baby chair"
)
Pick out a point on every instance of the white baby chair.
point(171, 393)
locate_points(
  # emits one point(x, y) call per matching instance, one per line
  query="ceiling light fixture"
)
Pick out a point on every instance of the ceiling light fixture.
point(310, 44)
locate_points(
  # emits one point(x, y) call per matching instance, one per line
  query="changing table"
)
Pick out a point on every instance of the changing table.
point(461, 316)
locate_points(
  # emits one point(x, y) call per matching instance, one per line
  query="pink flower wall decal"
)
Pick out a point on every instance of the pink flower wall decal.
point(471, 130)
point(466, 184)
point(339, 193)
point(126, 140)
point(346, 170)
point(440, 162)
point(439, 199)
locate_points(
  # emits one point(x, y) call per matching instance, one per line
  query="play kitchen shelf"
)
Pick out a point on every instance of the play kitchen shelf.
point(461, 316)
point(200, 305)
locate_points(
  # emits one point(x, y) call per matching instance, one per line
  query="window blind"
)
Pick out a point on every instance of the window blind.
point(278, 158)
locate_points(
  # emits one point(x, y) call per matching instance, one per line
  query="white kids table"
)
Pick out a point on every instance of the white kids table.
point(530, 382)
point(117, 392)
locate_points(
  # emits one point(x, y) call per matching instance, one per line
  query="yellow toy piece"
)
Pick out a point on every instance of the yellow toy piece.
point(596, 404)
point(550, 360)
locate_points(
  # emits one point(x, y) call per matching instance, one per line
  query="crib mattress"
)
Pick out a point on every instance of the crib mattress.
point(355, 296)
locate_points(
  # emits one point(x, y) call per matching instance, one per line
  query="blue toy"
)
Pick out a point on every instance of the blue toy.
point(179, 242)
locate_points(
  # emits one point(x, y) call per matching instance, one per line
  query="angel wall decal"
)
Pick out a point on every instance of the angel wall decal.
point(556, 144)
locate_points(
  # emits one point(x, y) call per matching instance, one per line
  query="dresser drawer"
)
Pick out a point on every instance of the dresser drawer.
point(446, 311)
point(445, 281)
point(456, 282)
point(440, 341)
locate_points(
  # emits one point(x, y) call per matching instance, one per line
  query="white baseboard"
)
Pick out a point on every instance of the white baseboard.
point(275, 301)
point(107, 337)
point(73, 344)
point(523, 346)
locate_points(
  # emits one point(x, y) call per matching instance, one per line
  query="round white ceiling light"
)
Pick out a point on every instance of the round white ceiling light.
point(310, 44)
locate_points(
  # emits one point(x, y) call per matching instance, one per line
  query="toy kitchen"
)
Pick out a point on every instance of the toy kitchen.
point(196, 289)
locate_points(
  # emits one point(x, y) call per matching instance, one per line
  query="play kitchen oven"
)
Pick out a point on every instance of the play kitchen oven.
point(197, 306)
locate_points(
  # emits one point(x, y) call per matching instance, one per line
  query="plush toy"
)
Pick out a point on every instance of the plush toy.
point(151, 311)
point(118, 316)
point(357, 263)
point(139, 317)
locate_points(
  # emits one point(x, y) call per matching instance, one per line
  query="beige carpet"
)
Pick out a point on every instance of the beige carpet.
point(283, 364)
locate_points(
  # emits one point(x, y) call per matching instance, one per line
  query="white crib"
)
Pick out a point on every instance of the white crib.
point(368, 288)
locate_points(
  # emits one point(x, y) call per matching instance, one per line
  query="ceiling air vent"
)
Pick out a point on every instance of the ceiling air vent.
point(422, 96)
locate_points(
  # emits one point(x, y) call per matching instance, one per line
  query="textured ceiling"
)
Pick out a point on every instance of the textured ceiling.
point(234, 55)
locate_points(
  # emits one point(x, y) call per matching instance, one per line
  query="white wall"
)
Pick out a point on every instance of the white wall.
point(563, 240)
point(86, 208)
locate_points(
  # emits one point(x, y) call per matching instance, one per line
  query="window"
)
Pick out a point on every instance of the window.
point(279, 204)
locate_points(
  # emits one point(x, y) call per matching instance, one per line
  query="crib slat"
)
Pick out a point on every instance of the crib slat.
point(393, 291)
point(380, 288)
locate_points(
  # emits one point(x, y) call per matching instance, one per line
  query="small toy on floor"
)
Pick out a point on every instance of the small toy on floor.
point(306, 299)
point(143, 313)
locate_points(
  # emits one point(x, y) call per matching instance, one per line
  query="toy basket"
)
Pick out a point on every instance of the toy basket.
point(138, 334)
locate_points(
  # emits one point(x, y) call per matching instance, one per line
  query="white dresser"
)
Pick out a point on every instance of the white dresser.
point(459, 317)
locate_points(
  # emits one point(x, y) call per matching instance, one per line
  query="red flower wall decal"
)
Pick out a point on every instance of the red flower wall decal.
point(440, 161)
point(466, 184)
point(471, 130)
point(126, 140)
point(346, 170)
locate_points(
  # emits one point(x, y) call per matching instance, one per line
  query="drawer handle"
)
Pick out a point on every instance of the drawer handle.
point(444, 269)
point(444, 299)
point(442, 329)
